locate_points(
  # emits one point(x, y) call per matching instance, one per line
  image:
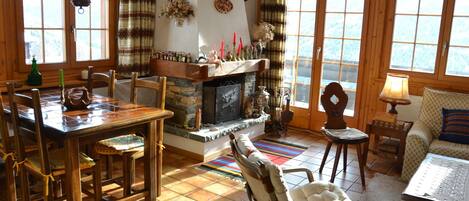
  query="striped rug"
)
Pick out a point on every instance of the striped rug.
point(278, 152)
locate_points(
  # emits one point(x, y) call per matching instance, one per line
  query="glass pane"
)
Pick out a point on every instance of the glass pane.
point(461, 7)
point(308, 21)
point(32, 13)
point(291, 46)
point(332, 50)
point(302, 94)
point(349, 76)
point(401, 56)
point(82, 20)
point(407, 6)
point(350, 109)
point(33, 45)
point(99, 14)
point(288, 73)
point(304, 68)
point(353, 25)
point(53, 14)
point(330, 73)
point(459, 33)
point(293, 5)
point(424, 58)
point(431, 7)
point(293, 19)
point(99, 45)
point(428, 29)
point(351, 53)
point(404, 28)
point(334, 25)
point(83, 45)
point(307, 5)
point(458, 62)
point(355, 5)
point(305, 50)
point(335, 6)
point(54, 46)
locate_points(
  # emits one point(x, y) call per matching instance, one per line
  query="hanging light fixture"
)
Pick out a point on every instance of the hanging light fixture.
point(81, 4)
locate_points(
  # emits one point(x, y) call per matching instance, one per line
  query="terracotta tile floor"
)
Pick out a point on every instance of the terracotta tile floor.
point(183, 181)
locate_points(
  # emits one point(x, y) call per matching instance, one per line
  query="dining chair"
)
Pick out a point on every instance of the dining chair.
point(7, 154)
point(131, 146)
point(334, 101)
point(108, 79)
point(47, 165)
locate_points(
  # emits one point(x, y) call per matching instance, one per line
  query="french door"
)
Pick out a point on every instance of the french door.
point(324, 45)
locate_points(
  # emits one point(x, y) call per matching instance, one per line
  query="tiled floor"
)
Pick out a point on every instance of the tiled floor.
point(183, 181)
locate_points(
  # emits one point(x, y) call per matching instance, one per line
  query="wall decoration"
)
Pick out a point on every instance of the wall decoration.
point(81, 4)
point(223, 6)
point(179, 10)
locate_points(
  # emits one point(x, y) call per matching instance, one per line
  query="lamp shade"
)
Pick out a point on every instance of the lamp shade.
point(396, 89)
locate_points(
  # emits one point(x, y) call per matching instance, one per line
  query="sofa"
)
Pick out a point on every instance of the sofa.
point(423, 137)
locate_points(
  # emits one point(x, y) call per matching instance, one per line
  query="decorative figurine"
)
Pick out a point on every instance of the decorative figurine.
point(262, 100)
point(249, 108)
point(34, 77)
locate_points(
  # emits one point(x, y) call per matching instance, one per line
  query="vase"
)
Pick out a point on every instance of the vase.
point(34, 77)
point(179, 21)
point(262, 99)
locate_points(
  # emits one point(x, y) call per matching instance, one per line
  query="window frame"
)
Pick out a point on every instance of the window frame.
point(70, 45)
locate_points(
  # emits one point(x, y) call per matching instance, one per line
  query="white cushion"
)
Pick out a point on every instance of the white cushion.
point(245, 145)
point(319, 191)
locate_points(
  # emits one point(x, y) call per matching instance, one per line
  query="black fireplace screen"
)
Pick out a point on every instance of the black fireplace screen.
point(221, 103)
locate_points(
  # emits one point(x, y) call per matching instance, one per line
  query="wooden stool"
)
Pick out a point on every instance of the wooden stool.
point(337, 132)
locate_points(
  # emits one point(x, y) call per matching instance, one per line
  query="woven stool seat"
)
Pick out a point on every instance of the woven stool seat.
point(120, 145)
point(350, 135)
point(57, 162)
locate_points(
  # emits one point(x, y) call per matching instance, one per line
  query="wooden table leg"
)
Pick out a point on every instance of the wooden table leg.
point(160, 156)
point(72, 170)
point(10, 179)
point(151, 161)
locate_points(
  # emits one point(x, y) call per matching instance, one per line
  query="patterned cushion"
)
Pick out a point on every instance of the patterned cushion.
point(434, 101)
point(455, 126)
point(319, 190)
point(56, 161)
point(451, 149)
point(120, 145)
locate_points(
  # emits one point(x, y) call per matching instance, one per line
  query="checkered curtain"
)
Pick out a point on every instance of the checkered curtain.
point(135, 36)
point(274, 12)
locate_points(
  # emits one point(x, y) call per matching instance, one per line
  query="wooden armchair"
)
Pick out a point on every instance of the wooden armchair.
point(47, 165)
point(264, 180)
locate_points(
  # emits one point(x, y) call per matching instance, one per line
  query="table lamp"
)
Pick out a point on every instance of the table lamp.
point(395, 91)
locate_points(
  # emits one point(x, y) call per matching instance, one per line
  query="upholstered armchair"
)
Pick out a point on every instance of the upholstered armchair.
point(265, 182)
point(423, 137)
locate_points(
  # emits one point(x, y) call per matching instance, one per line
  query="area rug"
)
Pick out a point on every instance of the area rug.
point(277, 151)
point(383, 187)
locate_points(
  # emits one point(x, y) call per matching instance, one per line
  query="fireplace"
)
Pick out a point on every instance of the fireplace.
point(221, 101)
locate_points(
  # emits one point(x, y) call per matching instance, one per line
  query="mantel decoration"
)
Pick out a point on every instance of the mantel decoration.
point(223, 6)
point(179, 10)
point(263, 33)
point(81, 4)
point(74, 102)
point(34, 77)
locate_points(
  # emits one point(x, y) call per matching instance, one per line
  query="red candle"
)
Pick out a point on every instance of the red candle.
point(234, 39)
point(241, 41)
point(239, 50)
point(222, 49)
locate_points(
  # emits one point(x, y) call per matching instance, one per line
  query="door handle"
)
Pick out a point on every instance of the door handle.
point(318, 53)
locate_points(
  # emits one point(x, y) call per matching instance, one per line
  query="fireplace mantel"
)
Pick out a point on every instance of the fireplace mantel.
point(205, 72)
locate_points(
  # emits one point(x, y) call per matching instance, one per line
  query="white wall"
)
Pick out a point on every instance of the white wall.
point(409, 112)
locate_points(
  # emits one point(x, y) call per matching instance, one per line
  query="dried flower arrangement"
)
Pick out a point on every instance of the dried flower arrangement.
point(178, 9)
point(263, 33)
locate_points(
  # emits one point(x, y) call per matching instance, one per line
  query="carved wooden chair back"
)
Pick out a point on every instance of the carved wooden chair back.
point(257, 172)
point(31, 102)
point(159, 86)
point(334, 111)
point(108, 79)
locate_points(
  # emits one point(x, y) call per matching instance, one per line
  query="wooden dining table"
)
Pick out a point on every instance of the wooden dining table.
point(104, 118)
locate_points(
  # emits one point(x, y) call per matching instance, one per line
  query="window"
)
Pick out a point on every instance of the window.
point(55, 33)
point(458, 53)
point(416, 34)
point(301, 21)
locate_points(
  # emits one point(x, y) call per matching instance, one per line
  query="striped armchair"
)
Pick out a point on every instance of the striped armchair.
point(423, 137)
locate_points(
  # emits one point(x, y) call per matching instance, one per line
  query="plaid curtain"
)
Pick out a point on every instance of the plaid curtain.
point(274, 12)
point(135, 36)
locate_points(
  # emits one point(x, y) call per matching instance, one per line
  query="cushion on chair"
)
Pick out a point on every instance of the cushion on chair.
point(56, 160)
point(319, 191)
point(451, 149)
point(29, 145)
point(434, 101)
point(245, 145)
point(455, 126)
point(120, 145)
point(345, 134)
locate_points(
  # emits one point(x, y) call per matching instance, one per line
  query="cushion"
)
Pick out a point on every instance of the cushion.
point(121, 144)
point(245, 145)
point(57, 161)
point(434, 101)
point(345, 134)
point(319, 191)
point(451, 149)
point(455, 126)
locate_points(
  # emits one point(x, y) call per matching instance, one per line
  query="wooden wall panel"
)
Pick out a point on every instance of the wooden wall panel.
point(3, 68)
